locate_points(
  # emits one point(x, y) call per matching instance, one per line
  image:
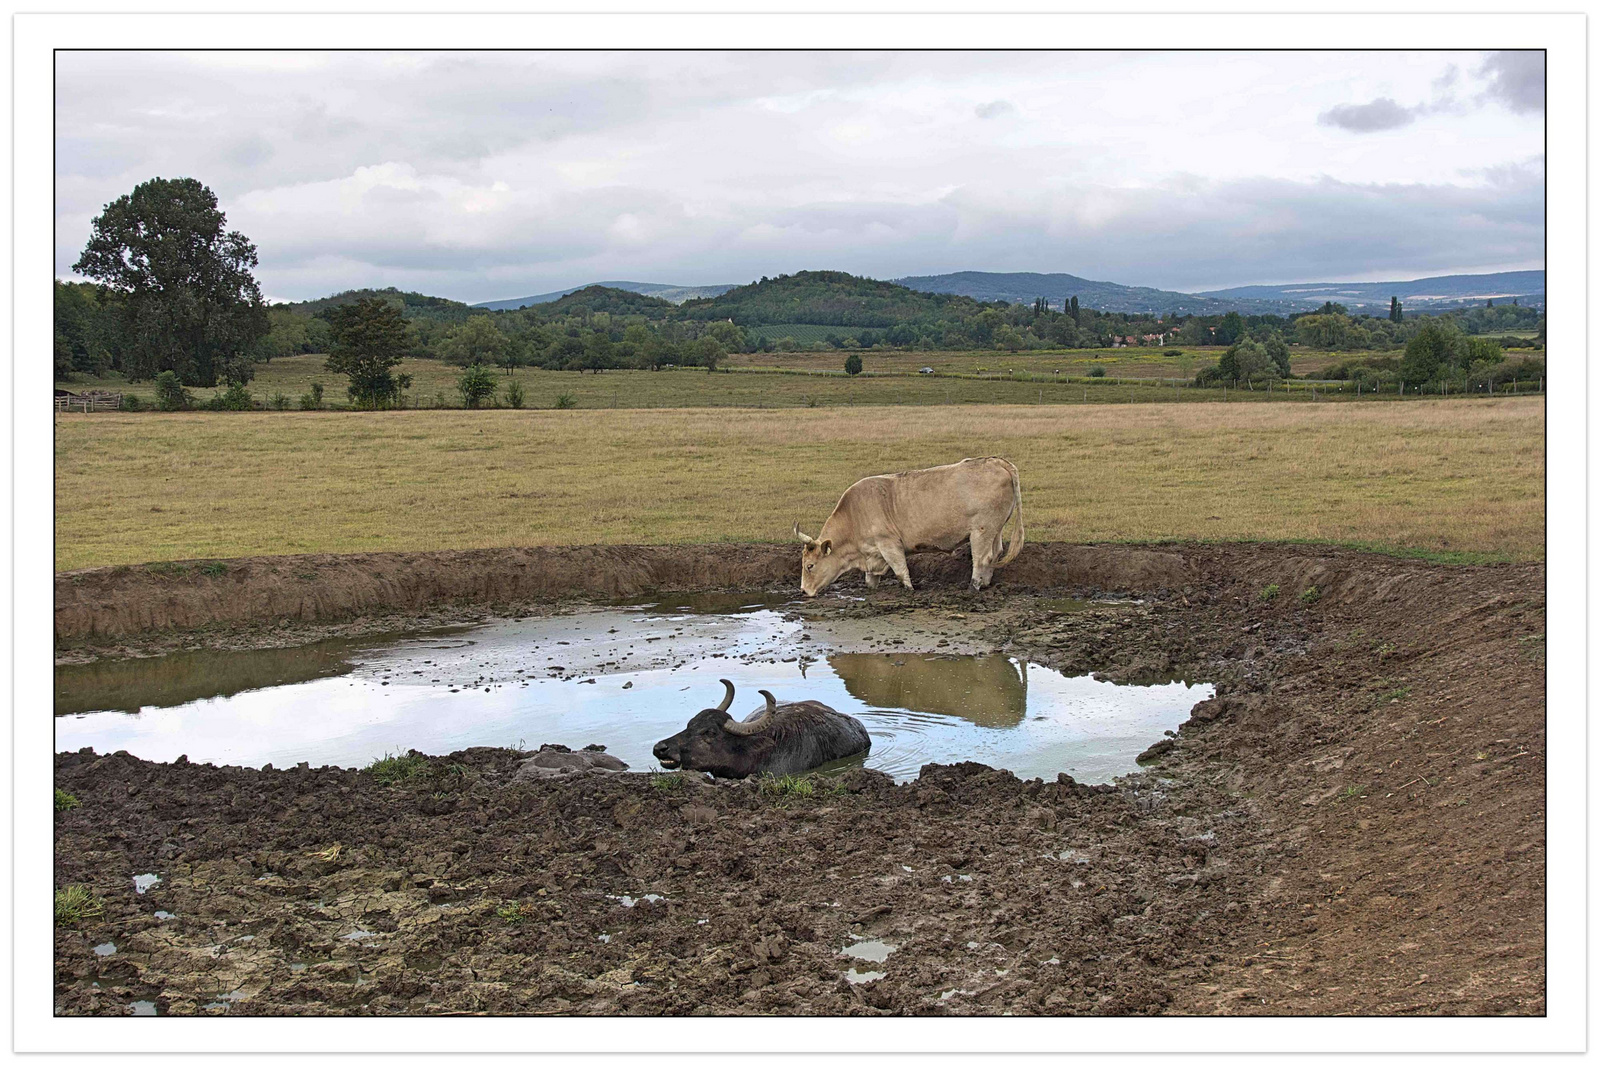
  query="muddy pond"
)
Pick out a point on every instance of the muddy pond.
point(623, 677)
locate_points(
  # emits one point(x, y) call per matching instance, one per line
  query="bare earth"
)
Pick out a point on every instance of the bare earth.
point(1355, 824)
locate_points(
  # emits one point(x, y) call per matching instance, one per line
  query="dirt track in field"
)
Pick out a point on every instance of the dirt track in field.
point(1355, 824)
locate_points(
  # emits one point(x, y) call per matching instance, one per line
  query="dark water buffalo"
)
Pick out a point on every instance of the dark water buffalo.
point(881, 518)
point(780, 738)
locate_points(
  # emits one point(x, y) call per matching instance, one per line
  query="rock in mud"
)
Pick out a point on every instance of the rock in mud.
point(555, 760)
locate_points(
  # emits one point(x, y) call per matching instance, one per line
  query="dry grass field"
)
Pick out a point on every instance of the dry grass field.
point(1459, 479)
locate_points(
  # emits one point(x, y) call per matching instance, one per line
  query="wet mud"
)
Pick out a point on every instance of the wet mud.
point(1354, 824)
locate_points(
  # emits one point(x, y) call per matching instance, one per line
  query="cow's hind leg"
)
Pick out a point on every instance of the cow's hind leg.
point(985, 549)
point(897, 562)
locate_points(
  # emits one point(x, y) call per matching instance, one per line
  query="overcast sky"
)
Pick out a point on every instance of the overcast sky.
point(483, 176)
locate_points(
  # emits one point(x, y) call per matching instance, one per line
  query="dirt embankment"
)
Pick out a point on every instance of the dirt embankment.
point(111, 603)
point(1354, 825)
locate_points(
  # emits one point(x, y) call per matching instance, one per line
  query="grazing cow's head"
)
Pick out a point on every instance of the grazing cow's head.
point(715, 743)
point(821, 563)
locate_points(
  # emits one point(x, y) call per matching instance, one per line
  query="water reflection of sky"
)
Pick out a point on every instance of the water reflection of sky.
point(562, 680)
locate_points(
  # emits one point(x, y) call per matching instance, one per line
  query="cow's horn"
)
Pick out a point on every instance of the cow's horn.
point(756, 724)
point(727, 701)
point(801, 535)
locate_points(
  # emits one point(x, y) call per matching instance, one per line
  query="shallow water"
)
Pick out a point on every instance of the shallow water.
point(624, 677)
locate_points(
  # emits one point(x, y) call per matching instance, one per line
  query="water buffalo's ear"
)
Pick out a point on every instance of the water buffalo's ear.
point(827, 547)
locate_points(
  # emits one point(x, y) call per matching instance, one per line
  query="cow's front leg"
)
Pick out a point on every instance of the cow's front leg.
point(897, 562)
point(872, 579)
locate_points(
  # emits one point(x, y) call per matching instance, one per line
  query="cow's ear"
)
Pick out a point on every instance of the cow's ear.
point(827, 547)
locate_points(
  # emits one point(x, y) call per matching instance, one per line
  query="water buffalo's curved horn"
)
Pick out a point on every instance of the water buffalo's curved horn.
point(727, 701)
point(756, 724)
point(801, 535)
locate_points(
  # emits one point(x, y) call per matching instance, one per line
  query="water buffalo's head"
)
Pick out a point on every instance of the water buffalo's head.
point(821, 563)
point(714, 743)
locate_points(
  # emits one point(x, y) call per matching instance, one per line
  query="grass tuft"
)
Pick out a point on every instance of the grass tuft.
point(787, 785)
point(393, 769)
point(666, 782)
point(1269, 593)
point(1310, 595)
point(75, 903)
point(66, 801)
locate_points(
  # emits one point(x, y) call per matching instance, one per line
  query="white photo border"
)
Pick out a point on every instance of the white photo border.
point(1562, 36)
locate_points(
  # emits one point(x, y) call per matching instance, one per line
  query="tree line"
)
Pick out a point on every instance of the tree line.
point(171, 291)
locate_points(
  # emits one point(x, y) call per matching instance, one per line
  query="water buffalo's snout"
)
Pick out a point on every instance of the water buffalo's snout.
point(664, 754)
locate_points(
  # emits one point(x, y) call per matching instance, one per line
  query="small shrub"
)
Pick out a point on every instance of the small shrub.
point(312, 401)
point(565, 402)
point(477, 386)
point(66, 801)
point(170, 393)
point(666, 782)
point(1097, 371)
point(131, 402)
point(515, 397)
point(236, 398)
point(279, 402)
point(852, 365)
point(75, 903)
point(1310, 595)
point(1270, 592)
point(393, 769)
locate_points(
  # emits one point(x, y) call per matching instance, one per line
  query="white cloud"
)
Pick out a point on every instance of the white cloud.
point(490, 175)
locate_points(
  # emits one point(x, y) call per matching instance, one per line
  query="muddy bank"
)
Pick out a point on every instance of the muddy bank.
point(1354, 825)
point(276, 600)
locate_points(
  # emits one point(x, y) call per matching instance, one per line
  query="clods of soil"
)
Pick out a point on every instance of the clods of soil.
point(1354, 824)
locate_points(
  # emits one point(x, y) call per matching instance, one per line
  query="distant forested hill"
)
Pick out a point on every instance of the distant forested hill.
point(671, 293)
point(411, 304)
point(610, 300)
point(828, 298)
point(1439, 293)
point(1445, 290)
point(1055, 288)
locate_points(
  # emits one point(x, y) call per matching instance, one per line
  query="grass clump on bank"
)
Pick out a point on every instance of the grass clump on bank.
point(66, 801)
point(393, 769)
point(76, 903)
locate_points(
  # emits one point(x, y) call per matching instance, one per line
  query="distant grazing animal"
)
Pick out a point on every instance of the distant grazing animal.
point(879, 519)
point(780, 738)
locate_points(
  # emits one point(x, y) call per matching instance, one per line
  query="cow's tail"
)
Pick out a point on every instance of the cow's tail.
point(1016, 508)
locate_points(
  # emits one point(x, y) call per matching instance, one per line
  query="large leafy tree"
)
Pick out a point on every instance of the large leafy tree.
point(1434, 348)
point(369, 340)
point(189, 301)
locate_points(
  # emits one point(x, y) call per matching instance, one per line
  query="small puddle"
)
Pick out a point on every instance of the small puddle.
point(862, 977)
point(107, 948)
point(630, 901)
point(869, 950)
point(164, 916)
point(143, 883)
point(623, 676)
point(358, 934)
point(142, 1008)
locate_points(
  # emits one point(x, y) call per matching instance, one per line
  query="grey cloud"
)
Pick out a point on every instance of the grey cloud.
point(994, 109)
point(1381, 114)
point(480, 177)
point(1516, 79)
